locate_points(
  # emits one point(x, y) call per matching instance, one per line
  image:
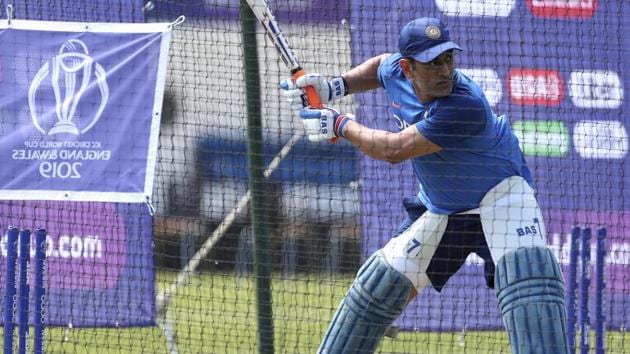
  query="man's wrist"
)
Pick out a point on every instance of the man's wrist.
point(340, 123)
point(339, 87)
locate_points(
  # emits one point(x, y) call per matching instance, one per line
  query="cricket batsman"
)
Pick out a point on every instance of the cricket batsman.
point(476, 195)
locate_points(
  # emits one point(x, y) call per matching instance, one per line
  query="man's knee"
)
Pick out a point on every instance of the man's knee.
point(530, 290)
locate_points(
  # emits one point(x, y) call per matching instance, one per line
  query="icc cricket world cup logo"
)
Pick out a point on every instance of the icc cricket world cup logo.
point(71, 73)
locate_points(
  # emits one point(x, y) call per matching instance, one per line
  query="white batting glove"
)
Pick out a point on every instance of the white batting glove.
point(327, 90)
point(325, 123)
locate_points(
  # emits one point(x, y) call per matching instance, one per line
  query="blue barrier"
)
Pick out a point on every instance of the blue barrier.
point(322, 163)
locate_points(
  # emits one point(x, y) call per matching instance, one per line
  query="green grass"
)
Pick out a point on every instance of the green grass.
point(217, 314)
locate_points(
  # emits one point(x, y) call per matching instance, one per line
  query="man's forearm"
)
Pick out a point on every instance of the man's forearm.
point(389, 146)
point(364, 76)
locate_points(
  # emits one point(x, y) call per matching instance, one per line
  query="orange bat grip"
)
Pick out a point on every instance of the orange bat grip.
point(311, 95)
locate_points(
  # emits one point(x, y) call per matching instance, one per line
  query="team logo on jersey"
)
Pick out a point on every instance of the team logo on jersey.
point(401, 123)
point(433, 32)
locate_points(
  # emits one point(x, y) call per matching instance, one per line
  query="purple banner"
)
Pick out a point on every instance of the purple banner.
point(76, 10)
point(562, 85)
point(616, 260)
point(100, 256)
point(320, 11)
point(80, 108)
point(99, 260)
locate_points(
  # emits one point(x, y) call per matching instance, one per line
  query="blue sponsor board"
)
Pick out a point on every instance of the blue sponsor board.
point(306, 162)
point(99, 261)
point(100, 255)
point(76, 121)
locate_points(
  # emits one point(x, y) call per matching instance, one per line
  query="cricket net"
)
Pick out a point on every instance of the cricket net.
point(558, 69)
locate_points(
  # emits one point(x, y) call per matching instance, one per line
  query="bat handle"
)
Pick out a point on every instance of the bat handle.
point(311, 94)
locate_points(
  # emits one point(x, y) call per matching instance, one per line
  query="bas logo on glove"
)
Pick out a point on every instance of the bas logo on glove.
point(324, 124)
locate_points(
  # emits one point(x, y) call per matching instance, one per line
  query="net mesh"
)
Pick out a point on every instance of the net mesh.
point(557, 69)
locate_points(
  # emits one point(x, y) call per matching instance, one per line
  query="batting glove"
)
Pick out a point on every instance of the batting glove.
point(325, 123)
point(328, 90)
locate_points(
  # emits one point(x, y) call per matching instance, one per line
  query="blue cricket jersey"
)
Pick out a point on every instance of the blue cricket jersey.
point(479, 149)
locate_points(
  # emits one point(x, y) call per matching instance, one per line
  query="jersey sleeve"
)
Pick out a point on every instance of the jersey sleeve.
point(380, 74)
point(455, 123)
point(386, 69)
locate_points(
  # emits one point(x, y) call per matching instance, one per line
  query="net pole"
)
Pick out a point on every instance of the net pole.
point(255, 157)
point(164, 298)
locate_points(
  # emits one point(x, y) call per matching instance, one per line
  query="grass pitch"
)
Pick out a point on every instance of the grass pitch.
point(216, 313)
